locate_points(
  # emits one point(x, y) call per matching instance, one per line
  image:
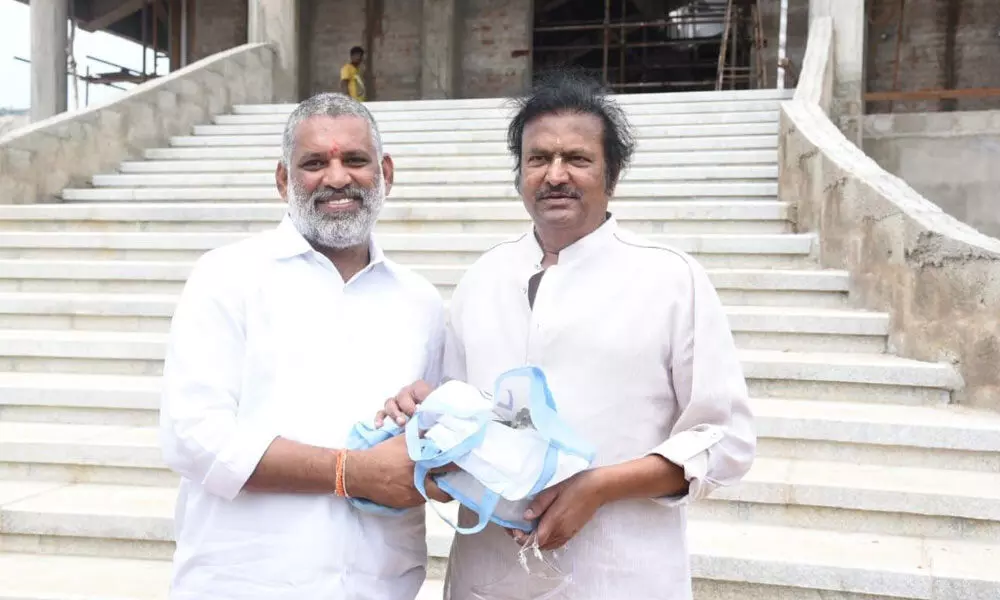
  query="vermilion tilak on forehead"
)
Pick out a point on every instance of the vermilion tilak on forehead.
point(334, 151)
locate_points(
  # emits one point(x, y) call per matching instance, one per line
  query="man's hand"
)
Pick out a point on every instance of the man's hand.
point(384, 474)
point(564, 509)
point(404, 404)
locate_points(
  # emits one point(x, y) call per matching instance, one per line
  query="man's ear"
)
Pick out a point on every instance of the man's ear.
point(388, 172)
point(281, 180)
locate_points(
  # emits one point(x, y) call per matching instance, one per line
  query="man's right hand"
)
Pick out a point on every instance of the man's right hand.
point(384, 475)
point(404, 404)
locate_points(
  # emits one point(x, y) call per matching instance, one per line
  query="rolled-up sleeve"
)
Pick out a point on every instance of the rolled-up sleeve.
point(713, 438)
point(201, 437)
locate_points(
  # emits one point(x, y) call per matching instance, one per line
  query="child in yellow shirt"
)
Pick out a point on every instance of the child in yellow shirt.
point(351, 82)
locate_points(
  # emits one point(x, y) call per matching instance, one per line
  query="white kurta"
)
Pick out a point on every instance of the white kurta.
point(269, 341)
point(640, 358)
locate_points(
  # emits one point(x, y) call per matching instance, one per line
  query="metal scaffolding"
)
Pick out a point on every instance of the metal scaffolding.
point(704, 45)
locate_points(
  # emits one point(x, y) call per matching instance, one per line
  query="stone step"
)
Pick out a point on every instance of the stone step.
point(713, 250)
point(504, 111)
point(786, 563)
point(841, 496)
point(477, 119)
point(644, 217)
point(149, 313)
point(855, 431)
point(736, 174)
point(70, 274)
point(844, 376)
point(863, 498)
point(88, 428)
point(34, 577)
point(707, 243)
point(98, 352)
point(760, 327)
point(771, 373)
point(688, 190)
point(38, 453)
point(438, 131)
point(861, 432)
point(693, 139)
point(738, 165)
point(129, 522)
point(736, 98)
point(271, 154)
point(915, 502)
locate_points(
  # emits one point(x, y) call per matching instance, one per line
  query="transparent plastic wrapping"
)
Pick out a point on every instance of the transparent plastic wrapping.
point(538, 575)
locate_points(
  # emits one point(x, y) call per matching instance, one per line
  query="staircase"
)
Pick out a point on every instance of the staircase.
point(868, 484)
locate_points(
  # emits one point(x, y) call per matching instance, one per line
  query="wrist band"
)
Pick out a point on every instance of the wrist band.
point(341, 468)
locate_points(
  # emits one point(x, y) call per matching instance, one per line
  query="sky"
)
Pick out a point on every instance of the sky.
point(15, 76)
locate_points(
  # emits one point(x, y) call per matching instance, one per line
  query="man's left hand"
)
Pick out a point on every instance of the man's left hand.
point(565, 509)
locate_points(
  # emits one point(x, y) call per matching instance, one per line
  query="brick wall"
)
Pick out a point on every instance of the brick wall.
point(396, 49)
point(495, 47)
point(331, 28)
point(218, 25)
point(921, 56)
point(392, 62)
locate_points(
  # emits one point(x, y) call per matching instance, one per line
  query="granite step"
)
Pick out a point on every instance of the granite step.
point(478, 120)
point(648, 158)
point(644, 217)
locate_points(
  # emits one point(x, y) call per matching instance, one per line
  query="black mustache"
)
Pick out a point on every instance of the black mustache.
point(560, 190)
point(330, 193)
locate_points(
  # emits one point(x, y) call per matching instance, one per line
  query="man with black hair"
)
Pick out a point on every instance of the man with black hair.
point(637, 351)
point(351, 82)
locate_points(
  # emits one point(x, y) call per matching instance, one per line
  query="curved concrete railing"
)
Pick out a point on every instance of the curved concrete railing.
point(38, 161)
point(939, 278)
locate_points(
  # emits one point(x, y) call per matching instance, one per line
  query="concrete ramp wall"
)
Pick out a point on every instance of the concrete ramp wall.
point(38, 161)
point(937, 277)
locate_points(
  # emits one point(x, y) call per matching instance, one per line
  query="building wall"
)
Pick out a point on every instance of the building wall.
point(495, 36)
point(495, 47)
point(950, 158)
point(330, 28)
point(217, 25)
point(921, 52)
point(396, 49)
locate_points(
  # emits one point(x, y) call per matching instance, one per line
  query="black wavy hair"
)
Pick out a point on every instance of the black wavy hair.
point(573, 91)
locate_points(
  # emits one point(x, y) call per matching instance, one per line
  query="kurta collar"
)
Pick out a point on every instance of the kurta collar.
point(287, 242)
point(582, 248)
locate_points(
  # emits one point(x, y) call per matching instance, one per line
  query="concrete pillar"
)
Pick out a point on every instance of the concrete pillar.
point(849, 30)
point(277, 22)
point(438, 49)
point(49, 24)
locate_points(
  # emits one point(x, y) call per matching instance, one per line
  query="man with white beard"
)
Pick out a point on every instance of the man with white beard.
point(279, 344)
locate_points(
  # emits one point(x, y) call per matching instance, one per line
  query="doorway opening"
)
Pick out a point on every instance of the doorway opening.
point(653, 45)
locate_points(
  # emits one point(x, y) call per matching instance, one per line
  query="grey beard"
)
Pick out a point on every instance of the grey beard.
point(336, 231)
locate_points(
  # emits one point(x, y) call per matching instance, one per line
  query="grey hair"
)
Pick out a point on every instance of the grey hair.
point(330, 105)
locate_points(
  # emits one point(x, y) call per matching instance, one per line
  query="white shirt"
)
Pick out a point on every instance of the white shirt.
point(640, 359)
point(268, 341)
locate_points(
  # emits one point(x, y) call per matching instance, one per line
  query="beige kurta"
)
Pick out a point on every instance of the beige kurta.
point(639, 355)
